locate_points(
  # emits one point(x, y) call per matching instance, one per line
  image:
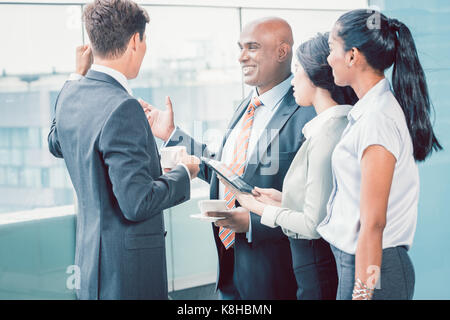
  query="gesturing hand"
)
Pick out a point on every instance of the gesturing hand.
point(84, 59)
point(160, 121)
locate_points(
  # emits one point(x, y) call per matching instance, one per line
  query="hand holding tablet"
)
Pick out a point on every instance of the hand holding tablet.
point(229, 176)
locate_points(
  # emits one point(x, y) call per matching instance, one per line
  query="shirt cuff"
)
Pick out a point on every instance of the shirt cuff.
point(248, 234)
point(170, 137)
point(75, 76)
point(187, 170)
point(269, 216)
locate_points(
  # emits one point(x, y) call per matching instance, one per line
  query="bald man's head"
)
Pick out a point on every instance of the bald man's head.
point(266, 52)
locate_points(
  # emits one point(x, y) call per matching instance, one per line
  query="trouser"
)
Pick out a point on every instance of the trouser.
point(314, 269)
point(397, 276)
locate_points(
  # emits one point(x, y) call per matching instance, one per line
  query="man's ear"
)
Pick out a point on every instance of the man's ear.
point(132, 44)
point(283, 51)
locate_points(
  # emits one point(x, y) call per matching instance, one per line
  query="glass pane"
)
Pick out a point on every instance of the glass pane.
point(430, 26)
point(197, 68)
point(192, 57)
point(43, 41)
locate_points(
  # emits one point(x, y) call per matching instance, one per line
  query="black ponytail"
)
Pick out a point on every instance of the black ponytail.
point(312, 55)
point(391, 43)
point(411, 90)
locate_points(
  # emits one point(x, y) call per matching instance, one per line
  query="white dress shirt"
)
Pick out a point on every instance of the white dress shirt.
point(308, 182)
point(376, 119)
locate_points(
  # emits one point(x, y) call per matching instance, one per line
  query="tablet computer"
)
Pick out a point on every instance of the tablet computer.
point(225, 172)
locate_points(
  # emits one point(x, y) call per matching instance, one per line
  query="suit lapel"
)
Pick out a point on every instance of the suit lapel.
point(279, 119)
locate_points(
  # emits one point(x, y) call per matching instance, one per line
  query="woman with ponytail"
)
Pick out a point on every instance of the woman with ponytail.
point(372, 211)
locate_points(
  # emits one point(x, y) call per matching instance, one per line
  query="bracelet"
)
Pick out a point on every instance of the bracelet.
point(362, 291)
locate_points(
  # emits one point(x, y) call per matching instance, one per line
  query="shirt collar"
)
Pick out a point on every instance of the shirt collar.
point(271, 98)
point(118, 76)
point(362, 105)
point(315, 125)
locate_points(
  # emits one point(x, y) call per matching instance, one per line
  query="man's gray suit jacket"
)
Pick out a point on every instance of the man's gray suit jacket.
point(112, 158)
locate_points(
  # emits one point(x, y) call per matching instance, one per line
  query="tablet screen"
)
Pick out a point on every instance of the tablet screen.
point(225, 172)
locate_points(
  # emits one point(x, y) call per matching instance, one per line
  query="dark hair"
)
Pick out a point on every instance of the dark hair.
point(385, 42)
point(312, 55)
point(111, 23)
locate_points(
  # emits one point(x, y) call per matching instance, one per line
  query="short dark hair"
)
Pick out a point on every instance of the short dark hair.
point(111, 23)
point(312, 55)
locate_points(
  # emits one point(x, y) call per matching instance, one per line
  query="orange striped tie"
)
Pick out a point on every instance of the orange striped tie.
point(238, 164)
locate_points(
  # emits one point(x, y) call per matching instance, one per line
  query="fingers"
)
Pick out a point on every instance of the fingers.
point(145, 104)
point(262, 191)
point(255, 193)
point(225, 183)
point(87, 50)
point(169, 104)
point(142, 102)
point(83, 49)
point(188, 159)
point(80, 48)
point(223, 223)
point(218, 214)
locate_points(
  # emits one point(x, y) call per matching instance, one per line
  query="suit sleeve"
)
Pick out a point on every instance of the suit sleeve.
point(53, 143)
point(52, 138)
point(181, 138)
point(128, 152)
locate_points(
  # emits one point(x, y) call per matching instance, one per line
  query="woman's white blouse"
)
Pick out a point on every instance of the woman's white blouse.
point(308, 182)
point(377, 119)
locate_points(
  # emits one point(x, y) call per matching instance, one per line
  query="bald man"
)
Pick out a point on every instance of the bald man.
point(264, 135)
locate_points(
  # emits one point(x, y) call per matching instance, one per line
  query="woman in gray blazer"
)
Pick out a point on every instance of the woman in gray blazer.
point(301, 206)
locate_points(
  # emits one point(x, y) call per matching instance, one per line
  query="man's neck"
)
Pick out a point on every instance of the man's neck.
point(117, 65)
point(262, 89)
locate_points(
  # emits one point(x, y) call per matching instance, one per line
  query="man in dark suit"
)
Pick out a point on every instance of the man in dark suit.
point(264, 135)
point(107, 144)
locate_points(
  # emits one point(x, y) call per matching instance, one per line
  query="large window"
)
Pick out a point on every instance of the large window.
point(36, 56)
point(430, 26)
point(191, 56)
